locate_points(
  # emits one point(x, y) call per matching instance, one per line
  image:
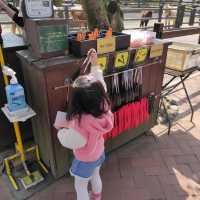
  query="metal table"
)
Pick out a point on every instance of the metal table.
point(167, 90)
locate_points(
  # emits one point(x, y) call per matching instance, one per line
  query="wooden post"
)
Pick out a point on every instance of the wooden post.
point(180, 2)
point(160, 13)
point(158, 28)
point(66, 12)
point(192, 16)
point(179, 16)
point(139, 3)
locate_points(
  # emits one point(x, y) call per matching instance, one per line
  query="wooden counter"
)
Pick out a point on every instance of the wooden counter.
point(42, 76)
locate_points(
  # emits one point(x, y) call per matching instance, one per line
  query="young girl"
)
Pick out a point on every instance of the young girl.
point(88, 118)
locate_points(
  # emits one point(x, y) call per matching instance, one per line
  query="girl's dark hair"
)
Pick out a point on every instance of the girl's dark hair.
point(88, 100)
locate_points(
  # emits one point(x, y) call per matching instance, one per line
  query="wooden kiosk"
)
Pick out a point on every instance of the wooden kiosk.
point(43, 75)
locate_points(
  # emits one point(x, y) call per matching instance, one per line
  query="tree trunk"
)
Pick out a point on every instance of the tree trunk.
point(99, 16)
point(96, 13)
point(116, 20)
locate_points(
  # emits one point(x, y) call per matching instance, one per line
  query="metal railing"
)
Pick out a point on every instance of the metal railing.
point(145, 3)
point(187, 13)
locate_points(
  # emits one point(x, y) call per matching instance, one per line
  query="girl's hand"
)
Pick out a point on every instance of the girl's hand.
point(93, 56)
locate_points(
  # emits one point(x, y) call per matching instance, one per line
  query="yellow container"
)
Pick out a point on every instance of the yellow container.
point(182, 56)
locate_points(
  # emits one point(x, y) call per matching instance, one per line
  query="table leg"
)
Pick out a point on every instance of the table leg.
point(166, 84)
point(188, 98)
point(167, 116)
point(171, 88)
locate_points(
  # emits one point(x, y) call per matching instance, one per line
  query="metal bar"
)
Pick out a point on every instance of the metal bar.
point(176, 1)
point(185, 76)
point(171, 88)
point(180, 15)
point(160, 13)
point(110, 75)
point(129, 10)
point(151, 27)
point(10, 177)
point(60, 87)
point(167, 116)
point(175, 91)
point(139, 67)
point(152, 1)
point(2, 63)
point(134, 5)
point(26, 168)
point(199, 39)
point(146, 8)
point(138, 28)
point(13, 157)
point(39, 161)
point(19, 141)
point(163, 87)
point(188, 98)
point(152, 18)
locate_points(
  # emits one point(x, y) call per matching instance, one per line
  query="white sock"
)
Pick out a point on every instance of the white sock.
point(96, 181)
point(81, 187)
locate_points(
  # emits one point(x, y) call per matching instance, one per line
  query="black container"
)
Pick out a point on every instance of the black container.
point(158, 28)
point(80, 49)
point(122, 40)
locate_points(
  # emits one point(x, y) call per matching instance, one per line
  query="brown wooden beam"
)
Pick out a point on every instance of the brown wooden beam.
point(180, 32)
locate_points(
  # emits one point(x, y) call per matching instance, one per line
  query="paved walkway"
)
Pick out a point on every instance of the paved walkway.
point(165, 168)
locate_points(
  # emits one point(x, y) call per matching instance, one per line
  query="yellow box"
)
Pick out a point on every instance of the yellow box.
point(106, 45)
point(182, 56)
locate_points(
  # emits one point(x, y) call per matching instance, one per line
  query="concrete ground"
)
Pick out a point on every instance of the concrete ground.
point(160, 168)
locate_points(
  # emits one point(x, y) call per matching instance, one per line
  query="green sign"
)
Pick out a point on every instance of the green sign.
point(53, 38)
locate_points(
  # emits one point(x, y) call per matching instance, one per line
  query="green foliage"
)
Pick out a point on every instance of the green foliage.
point(58, 2)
